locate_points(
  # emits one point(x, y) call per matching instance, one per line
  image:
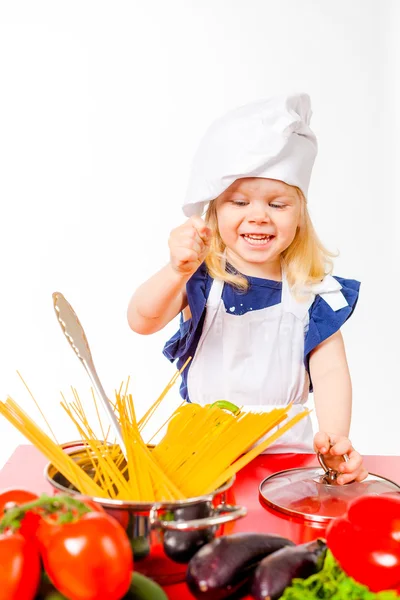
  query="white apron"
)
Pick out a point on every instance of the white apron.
point(256, 360)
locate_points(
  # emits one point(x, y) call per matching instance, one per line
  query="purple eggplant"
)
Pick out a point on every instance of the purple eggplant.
point(180, 546)
point(277, 571)
point(225, 565)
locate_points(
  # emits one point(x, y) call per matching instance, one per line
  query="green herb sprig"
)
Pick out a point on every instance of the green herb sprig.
point(331, 583)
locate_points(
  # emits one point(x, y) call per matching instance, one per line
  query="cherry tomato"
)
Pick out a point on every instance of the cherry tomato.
point(89, 559)
point(19, 567)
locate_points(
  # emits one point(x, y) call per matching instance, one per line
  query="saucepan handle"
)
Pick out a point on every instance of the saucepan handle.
point(225, 513)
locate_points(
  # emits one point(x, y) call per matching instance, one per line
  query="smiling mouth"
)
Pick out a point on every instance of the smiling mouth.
point(257, 239)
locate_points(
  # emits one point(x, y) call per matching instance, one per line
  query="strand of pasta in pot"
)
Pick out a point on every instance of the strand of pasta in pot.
point(143, 421)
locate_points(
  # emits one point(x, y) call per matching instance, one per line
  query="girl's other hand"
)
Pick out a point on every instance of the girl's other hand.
point(189, 245)
point(333, 447)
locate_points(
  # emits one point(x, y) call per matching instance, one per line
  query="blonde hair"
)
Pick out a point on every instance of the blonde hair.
point(306, 260)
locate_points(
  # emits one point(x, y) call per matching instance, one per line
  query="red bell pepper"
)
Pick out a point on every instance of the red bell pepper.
point(366, 541)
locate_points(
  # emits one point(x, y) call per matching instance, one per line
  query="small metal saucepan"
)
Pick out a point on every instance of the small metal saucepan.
point(164, 535)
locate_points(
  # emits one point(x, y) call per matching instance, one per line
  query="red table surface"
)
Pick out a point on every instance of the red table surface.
point(25, 467)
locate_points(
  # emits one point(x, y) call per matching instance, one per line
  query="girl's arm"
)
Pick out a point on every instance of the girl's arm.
point(157, 301)
point(333, 400)
point(163, 296)
point(332, 385)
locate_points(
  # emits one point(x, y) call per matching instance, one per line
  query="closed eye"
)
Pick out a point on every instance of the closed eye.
point(239, 203)
point(277, 206)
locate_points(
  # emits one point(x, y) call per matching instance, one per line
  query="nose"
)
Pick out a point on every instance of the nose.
point(258, 215)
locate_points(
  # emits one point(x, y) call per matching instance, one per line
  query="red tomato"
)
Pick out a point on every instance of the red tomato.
point(48, 524)
point(10, 499)
point(89, 559)
point(19, 567)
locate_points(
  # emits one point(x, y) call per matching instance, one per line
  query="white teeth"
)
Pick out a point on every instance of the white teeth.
point(257, 238)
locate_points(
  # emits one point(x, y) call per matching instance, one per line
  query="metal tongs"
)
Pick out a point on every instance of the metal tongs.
point(77, 339)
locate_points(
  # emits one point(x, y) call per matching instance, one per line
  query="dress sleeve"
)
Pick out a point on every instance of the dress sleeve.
point(197, 289)
point(325, 318)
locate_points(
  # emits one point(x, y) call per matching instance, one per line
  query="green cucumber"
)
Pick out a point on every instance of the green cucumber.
point(143, 588)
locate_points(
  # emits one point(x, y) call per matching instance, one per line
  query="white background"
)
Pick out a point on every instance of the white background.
point(102, 105)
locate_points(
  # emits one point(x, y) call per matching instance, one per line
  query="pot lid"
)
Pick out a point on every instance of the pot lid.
point(312, 493)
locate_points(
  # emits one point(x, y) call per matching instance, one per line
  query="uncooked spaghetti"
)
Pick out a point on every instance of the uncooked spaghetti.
point(202, 447)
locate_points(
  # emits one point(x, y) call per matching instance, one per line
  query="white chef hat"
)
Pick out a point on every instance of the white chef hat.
point(270, 139)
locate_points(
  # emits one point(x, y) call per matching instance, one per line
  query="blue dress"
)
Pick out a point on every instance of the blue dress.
point(262, 293)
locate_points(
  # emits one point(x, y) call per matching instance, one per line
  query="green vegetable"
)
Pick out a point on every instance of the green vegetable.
point(332, 584)
point(143, 588)
point(226, 406)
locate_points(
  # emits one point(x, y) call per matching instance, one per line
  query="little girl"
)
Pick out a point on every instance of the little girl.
point(260, 315)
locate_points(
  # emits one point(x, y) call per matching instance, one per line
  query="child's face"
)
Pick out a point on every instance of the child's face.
point(258, 219)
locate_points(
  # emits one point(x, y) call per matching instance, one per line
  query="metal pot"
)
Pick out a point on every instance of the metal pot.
point(164, 535)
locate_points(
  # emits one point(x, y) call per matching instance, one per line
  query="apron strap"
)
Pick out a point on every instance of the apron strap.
point(290, 304)
point(212, 304)
point(215, 294)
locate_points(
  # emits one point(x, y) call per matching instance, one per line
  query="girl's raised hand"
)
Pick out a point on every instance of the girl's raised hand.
point(333, 447)
point(189, 245)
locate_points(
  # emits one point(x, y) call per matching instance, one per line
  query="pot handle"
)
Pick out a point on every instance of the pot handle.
point(225, 513)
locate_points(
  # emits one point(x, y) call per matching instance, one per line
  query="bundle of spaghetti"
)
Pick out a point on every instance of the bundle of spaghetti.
point(202, 448)
point(210, 440)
